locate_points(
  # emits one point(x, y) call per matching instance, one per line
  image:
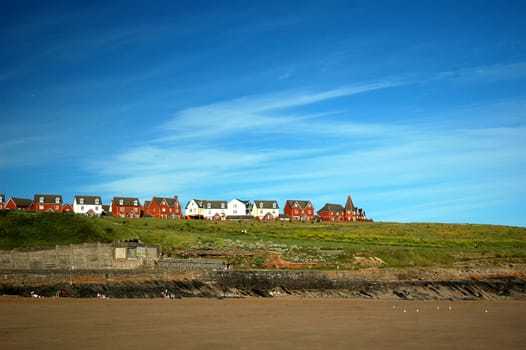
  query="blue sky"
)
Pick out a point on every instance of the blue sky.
point(415, 108)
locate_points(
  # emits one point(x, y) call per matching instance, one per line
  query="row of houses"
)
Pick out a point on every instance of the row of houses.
point(170, 208)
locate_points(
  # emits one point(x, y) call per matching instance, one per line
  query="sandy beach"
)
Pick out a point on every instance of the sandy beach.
point(257, 323)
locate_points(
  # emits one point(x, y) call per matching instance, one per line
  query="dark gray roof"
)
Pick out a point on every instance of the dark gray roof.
point(329, 207)
point(127, 201)
point(170, 201)
point(47, 198)
point(215, 204)
point(267, 204)
point(203, 204)
point(302, 203)
point(22, 202)
point(88, 200)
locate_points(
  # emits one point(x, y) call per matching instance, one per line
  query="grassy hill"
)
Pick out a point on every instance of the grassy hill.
point(282, 244)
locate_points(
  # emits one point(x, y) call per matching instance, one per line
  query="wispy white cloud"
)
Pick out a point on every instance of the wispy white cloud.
point(263, 114)
point(494, 72)
point(414, 166)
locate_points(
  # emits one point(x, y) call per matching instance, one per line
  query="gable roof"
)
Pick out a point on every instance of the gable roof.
point(330, 207)
point(198, 202)
point(48, 198)
point(266, 204)
point(302, 203)
point(21, 202)
point(88, 199)
point(247, 202)
point(170, 201)
point(127, 201)
point(349, 205)
point(215, 204)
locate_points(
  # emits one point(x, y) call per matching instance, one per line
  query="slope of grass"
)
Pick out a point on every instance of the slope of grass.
point(327, 245)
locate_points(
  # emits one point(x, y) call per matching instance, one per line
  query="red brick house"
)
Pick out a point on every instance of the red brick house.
point(2, 201)
point(67, 208)
point(19, 204)
point(353, 213)
point(331, 212)
point(51, 203)
point(336, 212)
point(163, 208)
point(126, 207)
point(299, 210)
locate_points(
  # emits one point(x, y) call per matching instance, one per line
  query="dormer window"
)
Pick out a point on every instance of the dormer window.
point(81, 201)
point(222, 205)
point(274, 205)
point(57, 200)
point(97, 201)
point(209, 205)
point(41, 199)
point(121, 201)
point(135, 203)
point(261, 204)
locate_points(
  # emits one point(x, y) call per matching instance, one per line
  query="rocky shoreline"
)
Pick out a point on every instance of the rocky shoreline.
point(505, 283)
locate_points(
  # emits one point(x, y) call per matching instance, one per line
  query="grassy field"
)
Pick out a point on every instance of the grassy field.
point(283, 244)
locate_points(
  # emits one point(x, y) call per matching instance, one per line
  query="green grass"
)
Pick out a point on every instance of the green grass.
point(397, 244)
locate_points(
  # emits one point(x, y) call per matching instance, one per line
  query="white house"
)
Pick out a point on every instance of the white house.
point(215, 210)
point(195, 209)
point(205, 209)
point(237, 207)
point(265, 210)
point(87, 205)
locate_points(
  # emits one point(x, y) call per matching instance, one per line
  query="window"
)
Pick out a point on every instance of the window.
point(261, 204)
point(121, 201)
point(164, 209)
point(121, 209)
point(222, 205)
point(81, 201)
point(41, 199)
point(40, 207)
point(209, 205)
point(135, 209)
point(274, 205)
point(97, 201)
point(135, 203)
point(82, 207)
point(57, 200)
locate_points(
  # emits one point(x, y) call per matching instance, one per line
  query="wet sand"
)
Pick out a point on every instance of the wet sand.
point(255, 323)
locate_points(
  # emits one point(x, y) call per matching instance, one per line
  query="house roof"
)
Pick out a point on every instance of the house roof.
point(241, 201)
point(170, 201)
point(349, 205)
point(204, 204)
point(48, 198)
point(330, 207)
point(266, 204)
point(22, 202)
point(302, 203)
point(127, 201)
point(216, 204)
point(198, 202)
point(88, 199)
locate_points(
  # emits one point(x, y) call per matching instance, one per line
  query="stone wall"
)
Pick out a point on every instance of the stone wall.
point(88, 256)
